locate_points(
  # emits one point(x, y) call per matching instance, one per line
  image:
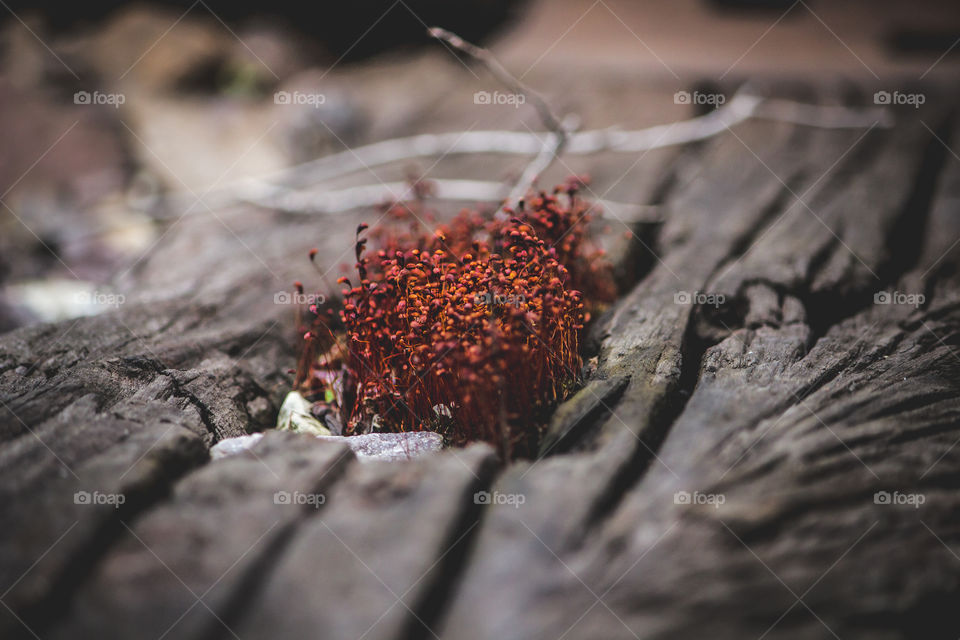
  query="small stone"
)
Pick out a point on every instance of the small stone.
point(385, 447)
point(232, 446)
point(391, 446)
point(296, 415)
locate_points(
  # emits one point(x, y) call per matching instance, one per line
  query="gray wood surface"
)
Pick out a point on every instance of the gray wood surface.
point(780, 413)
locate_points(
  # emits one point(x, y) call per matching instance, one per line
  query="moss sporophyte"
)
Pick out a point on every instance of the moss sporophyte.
point(472, 330)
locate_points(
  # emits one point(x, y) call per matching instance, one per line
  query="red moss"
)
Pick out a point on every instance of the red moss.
point(472, 330)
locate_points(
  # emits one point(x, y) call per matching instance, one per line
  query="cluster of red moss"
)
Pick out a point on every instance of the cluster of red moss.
point(472, 330)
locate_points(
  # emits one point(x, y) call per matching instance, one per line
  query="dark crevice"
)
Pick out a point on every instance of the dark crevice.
point(250, 584)
point(824, 309)
point(700, 335)
point(44, 614)
point(205, 416)
point(696, 341)
point(576, 421)
point(178, 390)
point(715, 323)
point(579, 418)
point(828, 308)
point(443, 580)
point(662, 416)
point(670, 404)
point(769, 216)
point(636, 265)
point(258, 421)
point(257, 575)
point(641, 255)
point(910, 229)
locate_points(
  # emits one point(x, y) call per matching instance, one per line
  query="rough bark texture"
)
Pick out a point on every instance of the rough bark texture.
point(716, 476)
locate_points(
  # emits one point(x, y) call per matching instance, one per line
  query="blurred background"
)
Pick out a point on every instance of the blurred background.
point(129, 129)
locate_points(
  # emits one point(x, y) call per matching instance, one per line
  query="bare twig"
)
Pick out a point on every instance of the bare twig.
point(319, 201)
point(551, 151)
point(560, 130)
point(550, 121)
point(740, 108)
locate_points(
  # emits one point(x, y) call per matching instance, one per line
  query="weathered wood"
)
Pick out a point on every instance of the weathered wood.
point(122, 403)
point(385, 541)
point(795, 399)
point(796, 433)
point(58, 528)
point(180, 570)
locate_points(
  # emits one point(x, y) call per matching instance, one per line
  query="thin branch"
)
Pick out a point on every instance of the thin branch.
point(548, 154)
point(740, 108)
point(319, 201)
point(560, 129)
point(550, 121)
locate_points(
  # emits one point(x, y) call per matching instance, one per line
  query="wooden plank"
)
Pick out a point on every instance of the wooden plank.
point(644, 341)
point(682, 394)
point(374, 563)
point(180, 570)
point(126, 402)
point(795, 433)
point(61, 527)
